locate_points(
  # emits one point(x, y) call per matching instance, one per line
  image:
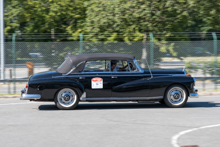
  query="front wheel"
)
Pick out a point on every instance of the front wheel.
point(176, 96)
point(66, 99)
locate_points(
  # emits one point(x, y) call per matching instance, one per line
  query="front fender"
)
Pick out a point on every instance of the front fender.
point(158, 85)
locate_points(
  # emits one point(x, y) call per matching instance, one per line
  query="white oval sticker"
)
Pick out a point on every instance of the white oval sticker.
point(97, 83)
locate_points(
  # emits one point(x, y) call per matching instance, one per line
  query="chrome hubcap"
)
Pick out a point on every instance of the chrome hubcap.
point(176, 96)
point(67, 97)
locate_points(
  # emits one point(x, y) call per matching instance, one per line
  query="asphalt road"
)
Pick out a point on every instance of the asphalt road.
point(41, 124)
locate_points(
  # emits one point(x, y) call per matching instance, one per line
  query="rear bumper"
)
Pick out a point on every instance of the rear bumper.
point(25, 96)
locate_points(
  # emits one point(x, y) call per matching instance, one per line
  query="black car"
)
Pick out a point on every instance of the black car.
point(108, 77)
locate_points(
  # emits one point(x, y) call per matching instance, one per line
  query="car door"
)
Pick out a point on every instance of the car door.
point(96, 79)
point(129, 83)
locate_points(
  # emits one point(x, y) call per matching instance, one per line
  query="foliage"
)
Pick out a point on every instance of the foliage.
point(137, 16)
point(39, 16)
point(207, 68)
point(113, 20)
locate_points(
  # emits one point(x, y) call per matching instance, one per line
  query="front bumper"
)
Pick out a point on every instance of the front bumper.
point(195, 94)
point(25, 96)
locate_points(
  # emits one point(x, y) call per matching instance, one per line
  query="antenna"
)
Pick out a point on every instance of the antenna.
point(149, 69)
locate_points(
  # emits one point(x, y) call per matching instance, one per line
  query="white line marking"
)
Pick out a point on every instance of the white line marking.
point(18, 103)
point(177, 136)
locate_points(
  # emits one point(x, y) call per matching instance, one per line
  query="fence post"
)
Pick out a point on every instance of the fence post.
point(81, 43)
point(151, 50)
point(13, 56)
point(2, 40)
point(215, 57)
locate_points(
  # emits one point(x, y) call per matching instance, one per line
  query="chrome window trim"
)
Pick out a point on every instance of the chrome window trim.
point(139, 68)
point(135, 62)
point(129, 65)
point(74, 67)
point(95, 72)
point(107, 72)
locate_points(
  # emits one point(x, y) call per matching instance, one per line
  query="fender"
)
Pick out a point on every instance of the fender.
point(158, 85)
point(48, 88)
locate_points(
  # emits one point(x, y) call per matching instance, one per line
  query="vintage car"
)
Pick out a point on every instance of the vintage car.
point(107, 77)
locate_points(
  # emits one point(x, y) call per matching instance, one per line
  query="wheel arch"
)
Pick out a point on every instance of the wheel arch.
point(78, 90)
point(176, 84)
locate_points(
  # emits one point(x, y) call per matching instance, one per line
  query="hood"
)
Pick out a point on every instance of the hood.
point(44, 75)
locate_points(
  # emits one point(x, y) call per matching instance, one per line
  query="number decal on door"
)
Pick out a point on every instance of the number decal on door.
point(97, 83)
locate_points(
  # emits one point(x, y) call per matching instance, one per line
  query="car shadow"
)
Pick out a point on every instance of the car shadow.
point(101, 106)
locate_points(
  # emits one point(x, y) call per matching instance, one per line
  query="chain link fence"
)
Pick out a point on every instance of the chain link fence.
point(197, 57)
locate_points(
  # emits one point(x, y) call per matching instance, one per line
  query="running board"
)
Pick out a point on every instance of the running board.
point(122, 98)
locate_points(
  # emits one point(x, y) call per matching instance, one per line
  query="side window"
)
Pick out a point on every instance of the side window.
point(119, 66)
point(132, 66)
point(97, 66)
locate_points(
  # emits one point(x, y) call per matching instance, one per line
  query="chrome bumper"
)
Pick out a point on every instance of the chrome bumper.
point(25, 96)
point(194, 95)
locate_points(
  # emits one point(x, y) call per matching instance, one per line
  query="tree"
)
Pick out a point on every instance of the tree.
point(208, 11)
point(39, 16)
point(135, 16)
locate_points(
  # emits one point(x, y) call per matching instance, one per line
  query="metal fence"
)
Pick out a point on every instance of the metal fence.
point(199, 58)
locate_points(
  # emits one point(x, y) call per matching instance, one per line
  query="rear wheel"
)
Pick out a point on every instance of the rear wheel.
point(66, 99)
point(176, 96)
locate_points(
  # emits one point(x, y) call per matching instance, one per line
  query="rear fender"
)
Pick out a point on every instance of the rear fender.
point(49, 87)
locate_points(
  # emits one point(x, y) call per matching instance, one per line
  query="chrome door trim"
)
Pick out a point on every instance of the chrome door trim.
point(121, 98)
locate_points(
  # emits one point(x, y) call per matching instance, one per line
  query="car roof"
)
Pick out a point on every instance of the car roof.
point(74, 60)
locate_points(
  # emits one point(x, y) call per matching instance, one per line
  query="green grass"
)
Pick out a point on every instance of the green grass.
point(9, 94)
point(209, 58)
point(210, 91)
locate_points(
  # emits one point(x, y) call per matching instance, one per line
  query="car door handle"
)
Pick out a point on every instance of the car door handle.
point(114, 77)
point(81, 77)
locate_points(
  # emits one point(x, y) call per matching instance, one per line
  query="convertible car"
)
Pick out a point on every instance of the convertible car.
point(107, 77)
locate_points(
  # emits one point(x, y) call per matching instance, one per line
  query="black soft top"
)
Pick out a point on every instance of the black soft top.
point(74, 60)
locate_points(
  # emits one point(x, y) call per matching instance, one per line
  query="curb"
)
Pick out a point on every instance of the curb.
point(10, 96)
point(209, 93)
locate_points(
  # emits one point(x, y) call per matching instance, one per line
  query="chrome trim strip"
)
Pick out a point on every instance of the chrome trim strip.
point(70, 71)
point(30, 96)
point(94, 75)
point(194, 95)
point(140, 70)
point(83, 96)
point(121, 98)
point(108, 72)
